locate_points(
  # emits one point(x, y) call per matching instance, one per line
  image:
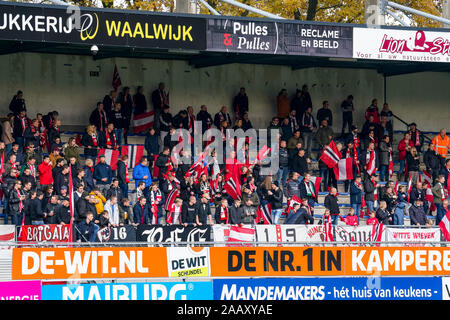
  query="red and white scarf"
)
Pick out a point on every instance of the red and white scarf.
point(223, 214)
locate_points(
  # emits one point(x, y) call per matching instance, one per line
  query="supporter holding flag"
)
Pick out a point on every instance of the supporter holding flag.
point(445, 171)
point(444, 224)
point(351, 152)
point(331, 154)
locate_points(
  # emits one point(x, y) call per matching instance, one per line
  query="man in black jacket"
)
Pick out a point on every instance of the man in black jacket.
point(85, 204)
point(204, 210)
point(99, 118)
point(236, 212)
point(331, 203)
point(122, 175)
point(299, 162)
point(189, 212)
point(432, 161)
point(63, 213)
point(206, 118)
point(240, 103)
point(86, 230)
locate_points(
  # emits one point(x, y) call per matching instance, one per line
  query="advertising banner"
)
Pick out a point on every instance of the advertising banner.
point(125, 233)
point(329, 261)
point(362, 288)
point(130, 291)
point(173, 233)
point(88, 263)
point(270, 37)
point(101, 27)
point(401, 45)
point(188, 262)
point(46, 232)
point(20, 290)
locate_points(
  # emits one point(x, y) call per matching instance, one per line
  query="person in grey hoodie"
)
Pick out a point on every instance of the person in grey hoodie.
point(248, 213)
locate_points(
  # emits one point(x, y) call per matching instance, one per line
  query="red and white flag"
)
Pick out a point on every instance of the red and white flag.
point(427, 178)
point(143, 122)
point(134, 152)
point(262, 154)
point(344, 169)
point(371, 165)
point(116, 83)
point(232, 188)
point(241, 234)
point(331, 155)
point(112, 156)
point(445, 226)
point(264, 214)
point(290, 206)
point(410, 185)
point(391, 165)
point(316, 181)
point(170, 200)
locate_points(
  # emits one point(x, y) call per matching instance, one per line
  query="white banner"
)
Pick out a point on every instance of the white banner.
point(315, 233)
point(401, 45)
point(410, 235)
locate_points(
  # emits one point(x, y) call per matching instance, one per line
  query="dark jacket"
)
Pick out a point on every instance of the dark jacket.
point(141, 214)
point(299, 164)
point(88, 178)
point(87, 141)
point(369, 190)
point(121, 172)
point(85, 231)
point(51, 219)
point(83, 206)
point(203, 211)
point(102, 170)
point(355, 194)
point(63, 214)
point(432, 160)
point(35, 209)
point(413, 164)
point(331, 203)
point(151, 145)
point(417, 215)
point(161, 164)
point(117, 118)
point(383, 216)
point(29, 136)
point(188, 213)
point(276, 199)
point(14, 202)
point(235, 214)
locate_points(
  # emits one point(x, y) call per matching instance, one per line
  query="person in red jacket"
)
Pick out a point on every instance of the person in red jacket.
point(372, 219)
point(404, 147)
point(373, 110)
point(45, 172)
point(351, 219)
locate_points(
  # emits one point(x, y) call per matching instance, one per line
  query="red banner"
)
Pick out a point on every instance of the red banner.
point(46, 232)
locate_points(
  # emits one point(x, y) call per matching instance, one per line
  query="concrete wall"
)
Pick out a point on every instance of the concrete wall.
point(63, 82)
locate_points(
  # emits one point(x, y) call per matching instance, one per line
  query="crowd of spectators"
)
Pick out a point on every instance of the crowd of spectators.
point(36, 166)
